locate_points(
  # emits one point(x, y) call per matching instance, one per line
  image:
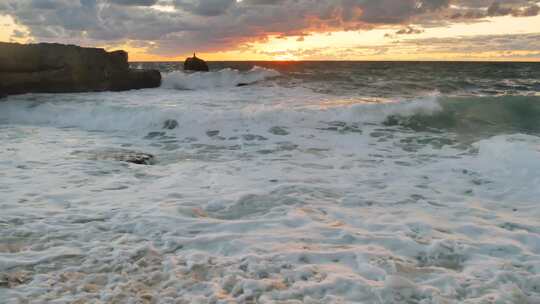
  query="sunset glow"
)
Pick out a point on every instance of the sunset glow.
point(270, 151)
point(511, 35)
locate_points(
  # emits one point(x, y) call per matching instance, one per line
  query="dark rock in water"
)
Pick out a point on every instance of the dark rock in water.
point(14, 279)
point(195, 64)
point(242, 84)
point(137, 158)
point(140, 79)
point(154, 134)
point(391, 121)
point(57, 68)
point(342, 127)
point(212, 133)
point(170, 124)
point(251, 137)
point(278, 131)
point(122, 155)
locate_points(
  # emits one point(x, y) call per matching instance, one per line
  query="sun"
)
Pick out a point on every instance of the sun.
point(285, 57)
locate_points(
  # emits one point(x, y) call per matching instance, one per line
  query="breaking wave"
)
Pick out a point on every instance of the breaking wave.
point(224, 78)
point(360, 191)
point(476, 118)
point(472, 117)
point(111, 116)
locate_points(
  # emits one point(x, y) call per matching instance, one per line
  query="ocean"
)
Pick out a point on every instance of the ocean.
point(278, 182)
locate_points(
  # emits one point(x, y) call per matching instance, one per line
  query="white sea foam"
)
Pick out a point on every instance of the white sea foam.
point(260, 194)
point(224, 78)
point(143, 115)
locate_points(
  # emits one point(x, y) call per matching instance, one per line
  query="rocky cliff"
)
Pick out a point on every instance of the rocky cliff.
point(57, 68)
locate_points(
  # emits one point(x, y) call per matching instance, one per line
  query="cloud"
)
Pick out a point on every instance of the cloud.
point(408, 30)
point(210, 25)
point(480, 9)
point(532, 11)
point(522, 46)
point(48, 4)
point(134, 2)
point(205, 7)
point(478, 44)
point(496, 9)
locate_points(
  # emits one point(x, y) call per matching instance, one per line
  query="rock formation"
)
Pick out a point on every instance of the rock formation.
point(195, 64)
point(122, 155)
point(57, 68)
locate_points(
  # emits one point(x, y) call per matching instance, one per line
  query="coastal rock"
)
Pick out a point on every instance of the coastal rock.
point(139, 79)
point(277, 130)
point(212, 133)
point(12, 280)
point(122, 155)
point(170, 124)
point(133, 157)
point(57, 68)
point(195, 64)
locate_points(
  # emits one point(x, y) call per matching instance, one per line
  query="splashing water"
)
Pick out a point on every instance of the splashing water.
point(316, 183)
point(224, 78)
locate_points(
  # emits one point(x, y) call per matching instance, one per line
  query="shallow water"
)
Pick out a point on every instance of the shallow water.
point(298, 188)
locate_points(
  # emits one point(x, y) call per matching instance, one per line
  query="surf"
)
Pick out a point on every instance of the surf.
point(224, 78)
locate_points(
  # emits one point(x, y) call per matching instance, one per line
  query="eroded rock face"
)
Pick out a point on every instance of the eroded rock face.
point(195, 64)
point(57, 68)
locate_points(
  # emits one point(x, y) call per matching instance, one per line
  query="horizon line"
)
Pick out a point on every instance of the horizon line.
point(352, 60)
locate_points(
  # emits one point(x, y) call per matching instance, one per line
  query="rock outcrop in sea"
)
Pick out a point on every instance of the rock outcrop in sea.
point(195, 64)
point(57, 68)
point(122, 155)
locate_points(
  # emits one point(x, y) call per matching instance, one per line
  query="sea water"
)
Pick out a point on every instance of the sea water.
point(312, 182)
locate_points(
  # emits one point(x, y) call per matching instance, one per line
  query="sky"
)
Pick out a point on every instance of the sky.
point(162, 30)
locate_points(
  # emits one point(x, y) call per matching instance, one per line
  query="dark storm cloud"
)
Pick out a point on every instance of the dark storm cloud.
point(496, 9)
point(205, 7)
point(264, 2)
point(134, 2)
point(482, 9)
point(48, 4)
point(531, 11)
point(209, 25)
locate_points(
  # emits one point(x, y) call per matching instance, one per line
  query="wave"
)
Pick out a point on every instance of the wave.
point(474, 118)
point(111, 115)
point(477, 116)
point(224, 78)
